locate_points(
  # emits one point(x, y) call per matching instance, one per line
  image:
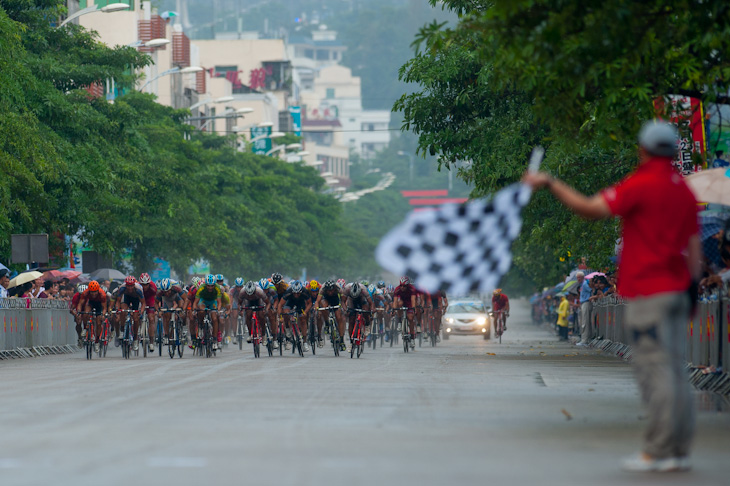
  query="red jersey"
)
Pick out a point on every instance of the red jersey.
point(659, 215)
point(499, 302)
point(89, 296)
point(404, 293)
point(149, 294)
point(75, 300)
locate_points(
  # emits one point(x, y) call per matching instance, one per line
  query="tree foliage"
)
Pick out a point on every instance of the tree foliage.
point(576, 77)
point(130, 176)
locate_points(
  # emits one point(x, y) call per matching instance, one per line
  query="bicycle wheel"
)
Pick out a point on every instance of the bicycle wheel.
point(270, 347)
point(360, 349)
point(172, 341)
point(405, 345)
point(180, 340)
point(420, 339)
point(256, 348)
point(158, 337)
point(381, 331)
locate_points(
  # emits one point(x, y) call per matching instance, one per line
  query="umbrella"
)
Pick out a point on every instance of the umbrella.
point(591, 275)
point(107, 274)
point(570, 286)
point(3, 267)
point(711, 186)
point(24, 278)
point(710, 226)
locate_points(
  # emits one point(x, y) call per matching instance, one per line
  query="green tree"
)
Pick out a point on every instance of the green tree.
point(576, 77)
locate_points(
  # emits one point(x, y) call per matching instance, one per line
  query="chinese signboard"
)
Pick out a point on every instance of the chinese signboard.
point(296, 115)
point(687, 113)
point(260, 139)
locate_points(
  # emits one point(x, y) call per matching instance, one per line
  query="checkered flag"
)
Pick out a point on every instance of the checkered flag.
point(459, 248)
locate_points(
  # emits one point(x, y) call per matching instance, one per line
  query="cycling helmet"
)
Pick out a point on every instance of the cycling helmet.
point(165, 284)
point(210, 279)
point(82, 288)
point(219, 277)
point(264, 283)
point(94, 286)
point(250, 288)
point(381, 284)
point(355, 290)
point(276, 278)
point(296, 287)
point(130, 281)
point(238, 282)
point(145, 278)
point(405, 280)
point(314, 285)
point(329, 285)
point(365, 283)
point(341, 282)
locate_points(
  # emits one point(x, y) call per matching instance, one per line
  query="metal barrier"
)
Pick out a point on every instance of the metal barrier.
point(35, 324)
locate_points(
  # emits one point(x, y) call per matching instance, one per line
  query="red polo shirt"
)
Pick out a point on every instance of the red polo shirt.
point(659, 215)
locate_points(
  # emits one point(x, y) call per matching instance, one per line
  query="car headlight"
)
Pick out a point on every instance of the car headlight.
point(448, 329)
point(450, 320)
point(481, 321)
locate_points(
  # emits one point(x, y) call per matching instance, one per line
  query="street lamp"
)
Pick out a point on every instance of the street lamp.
point(410, 165)
point(112, 7)
point(150, 43)
point(175, 70)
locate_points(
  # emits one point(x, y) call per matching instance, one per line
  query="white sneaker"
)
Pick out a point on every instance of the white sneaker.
point(367, 331)
point(581, 344)
point(135, 345)
point(83, 333)
point(320, 343)
point(287, 345)
point(305, 347)
point(640, 463)
point(96, 347)
point(275, 344)
point(165, 341)
point(413, 344)
point(248, 340)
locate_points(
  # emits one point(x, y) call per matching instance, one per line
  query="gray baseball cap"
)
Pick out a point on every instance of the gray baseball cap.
point(659, 138)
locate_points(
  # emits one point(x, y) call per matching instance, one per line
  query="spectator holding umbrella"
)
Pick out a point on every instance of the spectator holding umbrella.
point(4, 282)
point(660, 268)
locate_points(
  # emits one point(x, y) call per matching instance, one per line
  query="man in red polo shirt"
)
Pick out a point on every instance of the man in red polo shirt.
point(660, 265)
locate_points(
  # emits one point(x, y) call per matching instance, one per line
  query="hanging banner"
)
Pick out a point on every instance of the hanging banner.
point(261, 143)
point(296, 115)
point(688, 115)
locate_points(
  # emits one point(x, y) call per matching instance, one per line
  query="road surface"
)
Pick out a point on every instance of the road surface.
point(528, 411)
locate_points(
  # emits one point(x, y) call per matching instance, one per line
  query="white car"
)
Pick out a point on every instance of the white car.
point(466, 317)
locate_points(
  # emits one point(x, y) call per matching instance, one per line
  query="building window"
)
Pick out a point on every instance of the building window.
point(323, 55)
point(330, 93)
point(309, 53)
point(220, 71)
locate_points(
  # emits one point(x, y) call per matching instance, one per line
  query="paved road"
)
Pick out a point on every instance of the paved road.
point(467, 412)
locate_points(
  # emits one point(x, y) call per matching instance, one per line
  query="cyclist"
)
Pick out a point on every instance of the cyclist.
point(357, 298)
point(404, 295)
point(341, 283)
point(233, 295)
point(500, 305)
point(208, 297)
point(253, 296)
point(314, 288)
point(296, 298)
point(93, 299)
point(226, 326)
point(77, 317)
point(189, 301)
point(330, 296)
point(149, 289)
point(168, 298)
point(380, 302)
point(130, 297)
point(439, 304)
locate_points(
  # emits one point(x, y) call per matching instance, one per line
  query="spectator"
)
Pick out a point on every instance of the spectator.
point(586, 306)
point(4, 282)
point(583, 265)
point(563, 310)
point(660, 269)
point(37, 290)
point(51, 289)
point(719, 162)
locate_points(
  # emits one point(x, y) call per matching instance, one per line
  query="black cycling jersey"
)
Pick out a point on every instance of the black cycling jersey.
point(332, 298)
point(299, 301)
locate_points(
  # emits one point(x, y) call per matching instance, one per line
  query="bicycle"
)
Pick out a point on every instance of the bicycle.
point(375, 331)
point(176, 334)
point(127, 340)
point(88, 335)
point(158, 335)
point(239, 330)
point(256, 337)
point(144, 332)
point(331, 327)
point(281, 334)
point(312, 334)
point(499, 319)
point(419, 327)
point(104, 337)
point(356, 338)
point(296, 337)
point(208, 338)
point(396, 325)
point(405, 333)
point(433, 330)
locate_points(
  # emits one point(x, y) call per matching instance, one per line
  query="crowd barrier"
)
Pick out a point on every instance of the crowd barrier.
point(707, 344)
point(32, 327)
